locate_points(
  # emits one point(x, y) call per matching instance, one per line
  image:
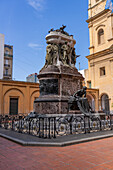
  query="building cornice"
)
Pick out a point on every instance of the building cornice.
point(92, 89)
point(91, 47)
point(95, 5)
point(97, 15)
point(100, 53)
point(12, 82)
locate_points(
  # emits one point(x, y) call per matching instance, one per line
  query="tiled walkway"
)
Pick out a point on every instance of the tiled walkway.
point(91, 155)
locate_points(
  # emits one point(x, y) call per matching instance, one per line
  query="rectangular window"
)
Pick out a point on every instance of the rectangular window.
point(6, 71)
point(102, 71)
point(89, 84)
point(6, 61)
point(6, 52)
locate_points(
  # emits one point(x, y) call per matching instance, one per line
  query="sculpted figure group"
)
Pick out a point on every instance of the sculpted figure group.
point(60, 52)
point(51, 54)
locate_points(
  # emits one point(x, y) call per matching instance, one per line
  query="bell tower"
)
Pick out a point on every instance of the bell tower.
point(100, 60)
point(100, 26)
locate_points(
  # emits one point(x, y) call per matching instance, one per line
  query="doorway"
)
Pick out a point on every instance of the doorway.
point(13, 106)
point(105, 103)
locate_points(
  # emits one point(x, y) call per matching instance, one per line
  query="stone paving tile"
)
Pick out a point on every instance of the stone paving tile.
point(95, 155)
point(101, 167)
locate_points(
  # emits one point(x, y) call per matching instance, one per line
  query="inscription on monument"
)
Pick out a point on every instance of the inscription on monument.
point(48, 86)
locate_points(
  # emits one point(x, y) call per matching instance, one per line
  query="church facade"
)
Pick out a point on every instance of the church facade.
point(99, 75)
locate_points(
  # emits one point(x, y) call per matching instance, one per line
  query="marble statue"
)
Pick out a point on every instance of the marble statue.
point(55, 54)
point(48, 55)
point(65, 49)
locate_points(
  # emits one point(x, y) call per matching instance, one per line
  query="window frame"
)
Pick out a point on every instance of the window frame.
point(6, 71)
point(102, 71)
point(100, 36)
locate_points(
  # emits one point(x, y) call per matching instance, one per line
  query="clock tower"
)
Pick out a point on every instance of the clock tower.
point(100, 61)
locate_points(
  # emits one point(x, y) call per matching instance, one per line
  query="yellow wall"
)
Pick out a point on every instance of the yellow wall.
point(100, 18)
point(25, 92)
point(94, 95)
point(101, 55)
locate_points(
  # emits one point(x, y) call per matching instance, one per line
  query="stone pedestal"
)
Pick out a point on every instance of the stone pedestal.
point(57, 83)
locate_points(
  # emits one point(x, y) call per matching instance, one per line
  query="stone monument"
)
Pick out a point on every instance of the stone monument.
point(59, 78)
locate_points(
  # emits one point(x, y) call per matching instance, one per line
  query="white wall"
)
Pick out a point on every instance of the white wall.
point(82, 72)
point(1, 55)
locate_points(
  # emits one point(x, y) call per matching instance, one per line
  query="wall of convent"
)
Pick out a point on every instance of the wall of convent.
point(25, 92)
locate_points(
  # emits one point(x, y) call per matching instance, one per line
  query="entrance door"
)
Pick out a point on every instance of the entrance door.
point(13, 106)
point(105, 103)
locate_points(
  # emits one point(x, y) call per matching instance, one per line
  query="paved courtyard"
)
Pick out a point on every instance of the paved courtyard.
point(90, 155)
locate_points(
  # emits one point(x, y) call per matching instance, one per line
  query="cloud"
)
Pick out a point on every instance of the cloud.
point(38, 5)
point(35, 46)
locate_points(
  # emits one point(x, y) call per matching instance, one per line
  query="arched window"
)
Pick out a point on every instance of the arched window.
point(105, 103)
point(101, 36)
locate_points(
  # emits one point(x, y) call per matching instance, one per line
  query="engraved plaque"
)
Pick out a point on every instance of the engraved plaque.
point(48, 86)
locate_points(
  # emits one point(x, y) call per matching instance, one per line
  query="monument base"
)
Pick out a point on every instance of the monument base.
point(57, 84)
point(51, 105)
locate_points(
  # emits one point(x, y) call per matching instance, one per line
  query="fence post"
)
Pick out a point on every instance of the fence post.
point(49, 129)
point(100, 125)
point(29, 125)
point(20, 124)
point(12, 122)
point(39, 127)
point(87, 124)
point(0, 121)
point(6, 122)
point(54, 136)
point(111, 122)
point(84, 125)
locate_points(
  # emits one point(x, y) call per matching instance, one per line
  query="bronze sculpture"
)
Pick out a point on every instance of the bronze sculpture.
point(79, 101)
point(60, 30)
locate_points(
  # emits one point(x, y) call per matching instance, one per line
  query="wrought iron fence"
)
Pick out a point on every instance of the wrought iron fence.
point(47, 126)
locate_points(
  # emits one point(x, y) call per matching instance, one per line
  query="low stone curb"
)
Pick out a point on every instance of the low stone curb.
point(57, 144)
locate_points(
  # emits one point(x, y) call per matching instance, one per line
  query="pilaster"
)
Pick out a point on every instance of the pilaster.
point(1, 99)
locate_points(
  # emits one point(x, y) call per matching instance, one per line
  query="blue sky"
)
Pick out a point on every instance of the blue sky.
point(25, 23)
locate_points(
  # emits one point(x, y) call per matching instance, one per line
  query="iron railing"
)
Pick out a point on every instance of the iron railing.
point(51, 126)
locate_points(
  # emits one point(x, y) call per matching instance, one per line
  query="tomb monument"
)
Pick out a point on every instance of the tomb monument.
point(59, 78)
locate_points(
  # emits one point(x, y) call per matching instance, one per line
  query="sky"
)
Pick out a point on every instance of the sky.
point(25, 24)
